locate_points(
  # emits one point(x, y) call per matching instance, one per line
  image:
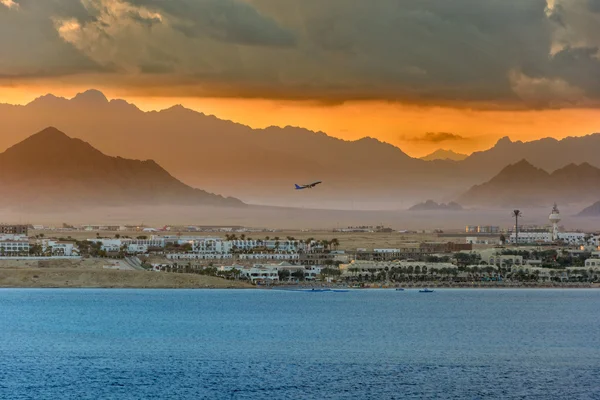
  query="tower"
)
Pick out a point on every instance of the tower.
point(554, 220)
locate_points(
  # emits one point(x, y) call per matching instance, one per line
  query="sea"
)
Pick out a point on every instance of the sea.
point(277, 344)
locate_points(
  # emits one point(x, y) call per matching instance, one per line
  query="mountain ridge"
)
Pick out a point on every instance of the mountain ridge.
point(444, 154)
point(260, 165)
point(590, 211)
point(50, 169)
point(431, 205)
point(523, 184)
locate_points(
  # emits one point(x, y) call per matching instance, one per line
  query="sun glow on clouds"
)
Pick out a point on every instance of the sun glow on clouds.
point(115, 21)
point(9, 3)
point(405, 126)
point(315, 67)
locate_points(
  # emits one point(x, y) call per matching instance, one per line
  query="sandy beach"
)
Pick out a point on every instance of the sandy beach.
point(100, 278)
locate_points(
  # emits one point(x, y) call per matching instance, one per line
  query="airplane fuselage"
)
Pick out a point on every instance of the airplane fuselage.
point(309, 186)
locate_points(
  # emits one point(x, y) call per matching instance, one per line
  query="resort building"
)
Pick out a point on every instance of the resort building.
point(592, 263)
point(14, 245)
point(131, 246)
point(59, 248)
point(356, 268)
point(220, 246)
point(270, 272)
point(414, 252)
point(481, 240)
point(13, 230)
point(549, 234)
point(270, 256)
point(484, 229)
point(198, 256)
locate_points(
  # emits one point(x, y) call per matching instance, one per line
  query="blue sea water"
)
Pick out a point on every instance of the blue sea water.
point(269, 344)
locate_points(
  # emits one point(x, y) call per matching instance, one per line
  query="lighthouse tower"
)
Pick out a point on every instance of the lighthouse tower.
point(554, 220)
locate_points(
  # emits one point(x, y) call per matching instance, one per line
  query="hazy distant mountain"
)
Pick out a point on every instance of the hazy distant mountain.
point(431, 205)
point(262, 165)
point(548, 153)
point(442, 154)
point(591, 211)
point(522, 184)
point(50, 169)
point(256, 165)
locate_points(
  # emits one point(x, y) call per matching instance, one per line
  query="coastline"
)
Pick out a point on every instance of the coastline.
point(109, 279)
point(80, 278)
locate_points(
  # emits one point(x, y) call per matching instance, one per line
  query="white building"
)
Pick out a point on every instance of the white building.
point(198, 256)
point(531, 237)
point(259, 272)
point(593, 263)
point(573, 238)
point(358, 267)
point(481, 240)
point(60, 248)
point(14, 245)
point(270, 256)
point(131, 246)
point(270, 272)
point(549, 235)
point(495, 257)
point(502, 260)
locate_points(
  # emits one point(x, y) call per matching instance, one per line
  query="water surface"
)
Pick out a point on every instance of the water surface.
point(253, 344)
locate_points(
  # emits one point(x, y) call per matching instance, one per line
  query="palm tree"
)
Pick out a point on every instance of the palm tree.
point(517, 214)
point(335, 243)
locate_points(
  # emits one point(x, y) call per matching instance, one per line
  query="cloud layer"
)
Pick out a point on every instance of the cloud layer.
point(476, 53)
point(436, 137)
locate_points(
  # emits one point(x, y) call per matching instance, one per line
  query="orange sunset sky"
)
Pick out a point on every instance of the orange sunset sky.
point(400, 124)
point(419, 75)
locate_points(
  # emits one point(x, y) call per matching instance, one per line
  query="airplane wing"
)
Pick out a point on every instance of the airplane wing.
point(309, 186)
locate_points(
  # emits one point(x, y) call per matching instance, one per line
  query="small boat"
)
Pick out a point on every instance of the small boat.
point(339, 290)
point(425, 290)
point(399, 289)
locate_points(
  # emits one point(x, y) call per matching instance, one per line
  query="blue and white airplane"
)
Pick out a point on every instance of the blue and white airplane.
point(309, 186)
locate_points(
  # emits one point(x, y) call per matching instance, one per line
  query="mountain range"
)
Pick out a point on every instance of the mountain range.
point(261, 166)
point(52, 170)
point(442, 154)
point(522, 184)
point(591, 211)
point(431, 205)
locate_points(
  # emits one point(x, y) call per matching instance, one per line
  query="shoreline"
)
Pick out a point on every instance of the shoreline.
point(94, 278)
point(77, 278)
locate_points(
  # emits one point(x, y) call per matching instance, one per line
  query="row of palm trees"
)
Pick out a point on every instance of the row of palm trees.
point(325, 244)
point(473, 273)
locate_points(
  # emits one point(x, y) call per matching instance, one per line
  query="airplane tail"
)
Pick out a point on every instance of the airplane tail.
point(298, 186)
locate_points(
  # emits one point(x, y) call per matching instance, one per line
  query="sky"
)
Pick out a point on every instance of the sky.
point(419, 74)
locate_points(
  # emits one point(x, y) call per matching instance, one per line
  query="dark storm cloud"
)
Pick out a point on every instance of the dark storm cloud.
point(30, 46)
point(231, 21)
point(480, 53)
point(435, 137)
point(594, 5)
point(148, 22)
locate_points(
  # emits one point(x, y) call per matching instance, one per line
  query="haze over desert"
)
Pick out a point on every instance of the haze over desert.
point(299, 199)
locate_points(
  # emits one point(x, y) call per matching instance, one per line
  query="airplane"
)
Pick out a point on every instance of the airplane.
point(309, 186)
